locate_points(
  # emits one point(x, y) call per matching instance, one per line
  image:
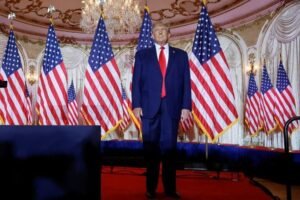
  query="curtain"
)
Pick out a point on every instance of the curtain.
point(283, 37)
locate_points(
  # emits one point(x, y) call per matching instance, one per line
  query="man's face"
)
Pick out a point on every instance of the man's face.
point(160, 34)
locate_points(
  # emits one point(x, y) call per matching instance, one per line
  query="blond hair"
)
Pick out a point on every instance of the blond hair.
point(161, 24)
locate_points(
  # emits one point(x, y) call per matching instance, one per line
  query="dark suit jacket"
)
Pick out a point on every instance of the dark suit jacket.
point(147, 82)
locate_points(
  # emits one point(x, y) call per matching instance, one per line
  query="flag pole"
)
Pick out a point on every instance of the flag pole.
point(269, 135)
point(204, 2)
point(206, 147)
point(252, 71)
point(251, 142)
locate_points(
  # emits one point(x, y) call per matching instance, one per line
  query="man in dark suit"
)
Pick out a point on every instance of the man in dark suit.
point(161, 97)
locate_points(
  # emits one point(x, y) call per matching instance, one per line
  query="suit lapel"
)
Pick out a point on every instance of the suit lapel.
point(155, 59)
point(171, 59)
point(154, 56)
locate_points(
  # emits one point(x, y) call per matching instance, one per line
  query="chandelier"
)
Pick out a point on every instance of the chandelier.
point(120, 16)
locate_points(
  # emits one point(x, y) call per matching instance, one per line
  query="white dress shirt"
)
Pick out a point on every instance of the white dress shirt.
point(166, 51)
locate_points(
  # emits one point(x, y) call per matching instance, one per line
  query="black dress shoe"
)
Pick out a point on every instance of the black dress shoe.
point(173, 195)
point(150, 196)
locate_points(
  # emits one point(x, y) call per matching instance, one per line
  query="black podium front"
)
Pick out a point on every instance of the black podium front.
point(50, 162)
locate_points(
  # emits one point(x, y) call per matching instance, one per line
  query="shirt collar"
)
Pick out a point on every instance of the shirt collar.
point(157, 46)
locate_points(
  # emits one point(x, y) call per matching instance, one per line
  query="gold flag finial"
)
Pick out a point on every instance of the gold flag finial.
point(11, 16)
point(204, 2)
point(251, 59)
point(51, 9)
point(252, 67)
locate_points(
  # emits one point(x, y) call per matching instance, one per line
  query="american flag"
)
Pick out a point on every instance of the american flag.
point(145, 39)
point(285, 102)
point(126, 107)
point(28, 106)
point(12, 99)
point(2, 108)
point(2, 111)
point(253, 107)
point(72, 106)
point(52, 97)
point(268, 102)
point(102, 97)
point(213, 100)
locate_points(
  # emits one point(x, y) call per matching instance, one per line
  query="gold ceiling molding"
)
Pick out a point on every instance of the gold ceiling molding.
point(178, 13)
point(31, 6)
point(4, 29)
point(63, 40)
point(191, 10)
point(69, 18)
point(180, 7)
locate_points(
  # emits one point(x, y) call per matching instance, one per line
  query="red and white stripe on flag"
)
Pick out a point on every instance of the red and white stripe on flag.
point(73, 113)
point(72, 106)
point(12, 98)
point(126, 117)
point(253, 112)
point(268, 102)
point(2, 99)
point(2, 109)
point(102, 97)
point(285, 106)
point(213, 100)
point(52, 98)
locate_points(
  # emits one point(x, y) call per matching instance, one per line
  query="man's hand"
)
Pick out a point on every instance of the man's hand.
point(138, 113)
point(185, 113)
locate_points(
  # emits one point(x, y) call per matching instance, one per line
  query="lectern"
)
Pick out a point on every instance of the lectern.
point(50, 162)
point(3, 84)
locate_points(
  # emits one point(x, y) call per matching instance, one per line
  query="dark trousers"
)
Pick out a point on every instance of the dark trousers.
point(159, 140)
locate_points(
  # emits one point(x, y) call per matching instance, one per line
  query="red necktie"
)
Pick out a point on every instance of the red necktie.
point(162, 64)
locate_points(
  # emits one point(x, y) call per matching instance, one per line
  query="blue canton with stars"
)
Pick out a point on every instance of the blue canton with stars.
point(52, 56)
point(252, 88)
point(282, 78)
point(145, 39)
point(11, 61)
point(71, 93)
point(265, 81)
point(206, 43)
point(101, 51)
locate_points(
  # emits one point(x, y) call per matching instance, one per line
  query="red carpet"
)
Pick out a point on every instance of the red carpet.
point(127, 183)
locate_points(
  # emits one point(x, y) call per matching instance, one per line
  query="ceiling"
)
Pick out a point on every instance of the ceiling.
point(32, 19)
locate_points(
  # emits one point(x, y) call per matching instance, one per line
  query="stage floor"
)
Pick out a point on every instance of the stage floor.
point(261, 162)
